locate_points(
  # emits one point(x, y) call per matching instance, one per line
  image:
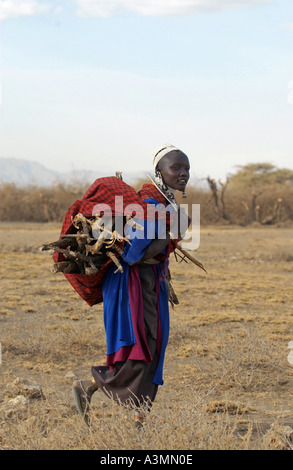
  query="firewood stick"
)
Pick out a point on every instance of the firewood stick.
point(77, 235)
point(69, 266)
point(115, 261)
point(118, 249)
point(71, 269)
point(64, 242)
point(85, 228)
point(103, 229)
point(78, 256)
point(193, 260)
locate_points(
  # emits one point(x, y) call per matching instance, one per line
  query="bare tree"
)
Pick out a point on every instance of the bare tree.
point(214, 189)
point(255, 207)
point(224, 187)
point(219, 196)
point(276, 216)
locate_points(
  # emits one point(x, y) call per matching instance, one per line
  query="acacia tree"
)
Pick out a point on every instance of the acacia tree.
point(263, 191)
point(256, 175)
point(265, 185)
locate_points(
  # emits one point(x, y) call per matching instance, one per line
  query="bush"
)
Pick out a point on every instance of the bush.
point(257, 193)
point(37, 204)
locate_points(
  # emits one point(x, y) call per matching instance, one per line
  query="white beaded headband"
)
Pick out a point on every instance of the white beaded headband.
point(161, 152)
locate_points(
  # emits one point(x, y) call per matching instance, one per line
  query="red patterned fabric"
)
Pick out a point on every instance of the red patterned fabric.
point(103, 191)
point(150, 190)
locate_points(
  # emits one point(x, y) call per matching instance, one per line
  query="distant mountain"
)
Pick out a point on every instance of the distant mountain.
point(26, 172)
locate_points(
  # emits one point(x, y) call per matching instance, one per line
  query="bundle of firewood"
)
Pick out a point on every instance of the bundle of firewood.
point(83, 252)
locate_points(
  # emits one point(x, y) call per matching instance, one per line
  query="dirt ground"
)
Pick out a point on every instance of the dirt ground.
point(227, 381)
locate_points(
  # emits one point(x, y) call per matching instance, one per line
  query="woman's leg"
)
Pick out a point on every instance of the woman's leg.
point(131, 382)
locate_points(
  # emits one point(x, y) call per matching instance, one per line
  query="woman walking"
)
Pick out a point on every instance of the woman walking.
point(136, 309)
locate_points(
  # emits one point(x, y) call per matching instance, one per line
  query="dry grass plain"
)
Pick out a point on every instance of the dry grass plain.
point(228, 384)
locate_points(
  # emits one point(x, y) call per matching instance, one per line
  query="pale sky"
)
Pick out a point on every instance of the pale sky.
point(101, 84)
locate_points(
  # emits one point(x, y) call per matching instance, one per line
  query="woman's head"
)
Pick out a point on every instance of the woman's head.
point(173, 165)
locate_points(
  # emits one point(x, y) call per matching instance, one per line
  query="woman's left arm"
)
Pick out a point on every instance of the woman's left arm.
point(155, 247)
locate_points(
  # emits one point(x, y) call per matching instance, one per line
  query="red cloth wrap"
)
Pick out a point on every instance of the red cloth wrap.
point(104, 191)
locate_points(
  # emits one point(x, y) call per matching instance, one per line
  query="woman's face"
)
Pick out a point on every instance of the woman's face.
point(175, 169)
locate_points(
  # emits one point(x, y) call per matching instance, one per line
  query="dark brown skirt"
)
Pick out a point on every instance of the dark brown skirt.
point(131, 382)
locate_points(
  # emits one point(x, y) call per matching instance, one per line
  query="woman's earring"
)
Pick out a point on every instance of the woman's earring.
point(184, 195)
point(159, 179)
